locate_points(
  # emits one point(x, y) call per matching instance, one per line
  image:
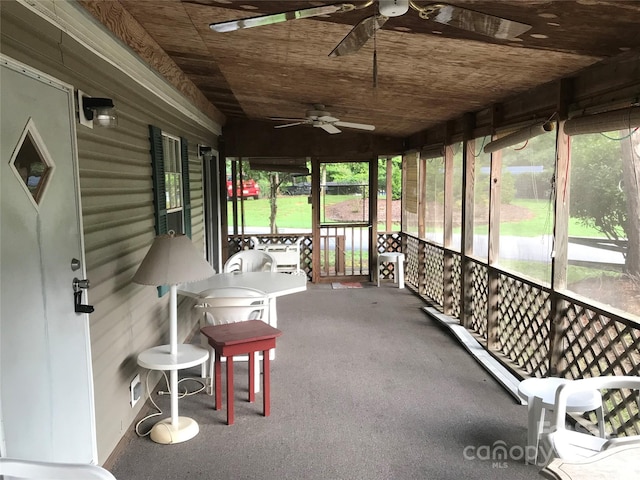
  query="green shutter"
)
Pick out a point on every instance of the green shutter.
point(159, 191)
point(186, 192)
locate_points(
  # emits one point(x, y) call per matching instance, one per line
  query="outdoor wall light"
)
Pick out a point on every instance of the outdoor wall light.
point(519, 136)
point(96, 111)
point(204, 151)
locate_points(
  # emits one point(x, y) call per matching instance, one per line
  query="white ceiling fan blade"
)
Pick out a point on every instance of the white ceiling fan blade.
point(359, 35)
point(261, 20)
point(328, 118)
point(289, 125)
point(287, 119)
point(327, 127)
point(473, 21)
point(359, 126)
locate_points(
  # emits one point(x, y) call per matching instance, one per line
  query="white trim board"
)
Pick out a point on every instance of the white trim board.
point(503, 376)
point(72, 19)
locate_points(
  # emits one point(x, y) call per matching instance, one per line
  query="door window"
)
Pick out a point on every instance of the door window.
point(32, 163)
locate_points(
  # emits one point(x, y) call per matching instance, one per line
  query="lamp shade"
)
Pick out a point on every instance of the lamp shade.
point(172, 259)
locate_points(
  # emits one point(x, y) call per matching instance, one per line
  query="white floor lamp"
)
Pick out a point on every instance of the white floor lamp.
point(172, 260)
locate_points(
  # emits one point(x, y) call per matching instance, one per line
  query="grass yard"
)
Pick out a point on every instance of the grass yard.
point(294, 211)
point(540, 224)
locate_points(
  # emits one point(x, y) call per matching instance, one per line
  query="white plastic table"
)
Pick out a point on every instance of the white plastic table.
point(620, 463)
point(273, 284)
point(540, 394)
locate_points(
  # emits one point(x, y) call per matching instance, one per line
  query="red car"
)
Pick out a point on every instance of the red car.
point(250, 188)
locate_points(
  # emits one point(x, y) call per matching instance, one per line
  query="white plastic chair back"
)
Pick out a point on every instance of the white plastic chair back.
point(230, 305)
point(286, 256)
point(34, 470)
point(250, 261)
point(575, 446)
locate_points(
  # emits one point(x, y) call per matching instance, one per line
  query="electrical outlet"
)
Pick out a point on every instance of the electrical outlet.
point(135, 390)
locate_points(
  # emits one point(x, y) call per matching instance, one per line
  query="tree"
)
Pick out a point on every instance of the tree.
point(631, 187)
point(605, 188)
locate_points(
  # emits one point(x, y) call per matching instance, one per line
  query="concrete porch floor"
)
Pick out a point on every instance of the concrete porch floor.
point(364, 386)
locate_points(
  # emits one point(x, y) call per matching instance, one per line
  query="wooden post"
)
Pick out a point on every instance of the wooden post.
point(559, 257)
point(373, 217)
point(468, 212)
point(389, 198)
point(234, 197)
point(422, 195)
point(447, 287)
point(494, 249)
point(315, 214)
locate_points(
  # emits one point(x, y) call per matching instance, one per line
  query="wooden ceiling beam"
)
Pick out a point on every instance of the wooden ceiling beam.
point(249, 138)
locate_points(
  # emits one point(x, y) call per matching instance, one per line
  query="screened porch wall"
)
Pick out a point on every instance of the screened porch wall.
point(593, 342)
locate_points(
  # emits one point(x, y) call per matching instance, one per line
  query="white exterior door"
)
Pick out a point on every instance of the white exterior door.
point(46, 386)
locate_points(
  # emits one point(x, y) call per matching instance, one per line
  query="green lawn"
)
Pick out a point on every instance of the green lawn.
point(540, 224)
point(294, 211)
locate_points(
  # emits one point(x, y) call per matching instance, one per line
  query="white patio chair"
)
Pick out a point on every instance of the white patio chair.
point(35, 470)
point(230, 305)
point(287, 256)
point(576, 446)
point(250, 261)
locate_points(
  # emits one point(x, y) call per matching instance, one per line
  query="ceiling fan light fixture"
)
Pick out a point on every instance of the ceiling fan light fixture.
point(393, 8)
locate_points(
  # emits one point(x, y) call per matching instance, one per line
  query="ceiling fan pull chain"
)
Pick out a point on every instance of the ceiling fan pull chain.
point(375, 61)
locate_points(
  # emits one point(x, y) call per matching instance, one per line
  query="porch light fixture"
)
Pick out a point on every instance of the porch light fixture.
point(519, 136)
point(96, 111)
point(622, 119)
point(171, 260)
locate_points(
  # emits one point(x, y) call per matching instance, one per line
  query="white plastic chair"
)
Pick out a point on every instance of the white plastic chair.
point(287, 256)
point(34, 470)
point(250, 261)
point(230, 305)
point(575, 446)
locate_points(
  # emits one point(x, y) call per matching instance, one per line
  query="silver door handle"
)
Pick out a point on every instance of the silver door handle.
point(80, 284)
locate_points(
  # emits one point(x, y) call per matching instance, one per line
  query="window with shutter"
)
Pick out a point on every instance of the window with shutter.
point(171, 195)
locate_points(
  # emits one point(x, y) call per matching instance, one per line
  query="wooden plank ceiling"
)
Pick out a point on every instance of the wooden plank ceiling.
point(428, 73)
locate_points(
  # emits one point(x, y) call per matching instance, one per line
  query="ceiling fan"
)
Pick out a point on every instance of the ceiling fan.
point(319, 117)
point(452, 15)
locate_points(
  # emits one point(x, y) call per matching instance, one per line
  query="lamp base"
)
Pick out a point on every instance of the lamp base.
point(166, 433)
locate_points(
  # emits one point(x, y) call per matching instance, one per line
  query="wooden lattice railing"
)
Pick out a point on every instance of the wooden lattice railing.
point(590, 341)
point(596, 343)
point(478, 298)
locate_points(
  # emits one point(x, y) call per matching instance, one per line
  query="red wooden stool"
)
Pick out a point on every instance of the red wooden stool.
point(241, 338)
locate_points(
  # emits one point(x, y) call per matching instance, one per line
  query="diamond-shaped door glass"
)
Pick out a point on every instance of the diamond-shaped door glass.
point(32, 163)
